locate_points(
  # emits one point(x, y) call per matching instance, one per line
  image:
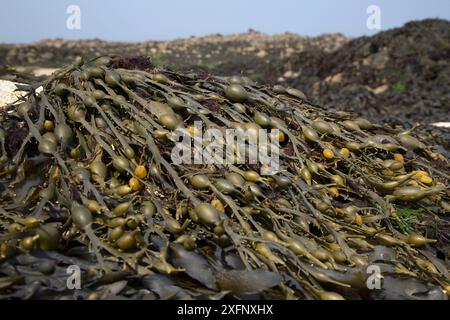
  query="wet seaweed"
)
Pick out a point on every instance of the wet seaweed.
point(102, 193)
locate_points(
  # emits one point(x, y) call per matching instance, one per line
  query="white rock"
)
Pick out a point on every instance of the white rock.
point(288, 74)
point(261, 54)
point(43, 71)
point(8, 93)
point(380, 89)
point(336, 78)
point(441, 124)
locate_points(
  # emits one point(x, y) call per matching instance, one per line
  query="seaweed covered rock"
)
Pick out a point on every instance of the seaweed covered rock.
point(92, 182)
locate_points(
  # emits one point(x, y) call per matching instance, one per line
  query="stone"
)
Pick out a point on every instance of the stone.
point(8, 93)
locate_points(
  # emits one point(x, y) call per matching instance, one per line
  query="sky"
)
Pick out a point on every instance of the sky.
point(24, 21)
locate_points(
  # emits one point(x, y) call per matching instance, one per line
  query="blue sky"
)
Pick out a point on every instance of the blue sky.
point(138, 20)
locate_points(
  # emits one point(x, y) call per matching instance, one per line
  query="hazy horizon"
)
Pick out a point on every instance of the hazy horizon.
point(139, 21)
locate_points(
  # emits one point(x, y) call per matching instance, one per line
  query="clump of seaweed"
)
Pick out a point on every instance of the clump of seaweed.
point(101, 192)
point(132, 62)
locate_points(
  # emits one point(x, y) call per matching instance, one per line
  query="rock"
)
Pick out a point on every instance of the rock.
point(43, 72)
point(334, 78)
point(441, 124)
point(291, 74)
point(380, 89)
point(262, 54)
point(8, 93)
